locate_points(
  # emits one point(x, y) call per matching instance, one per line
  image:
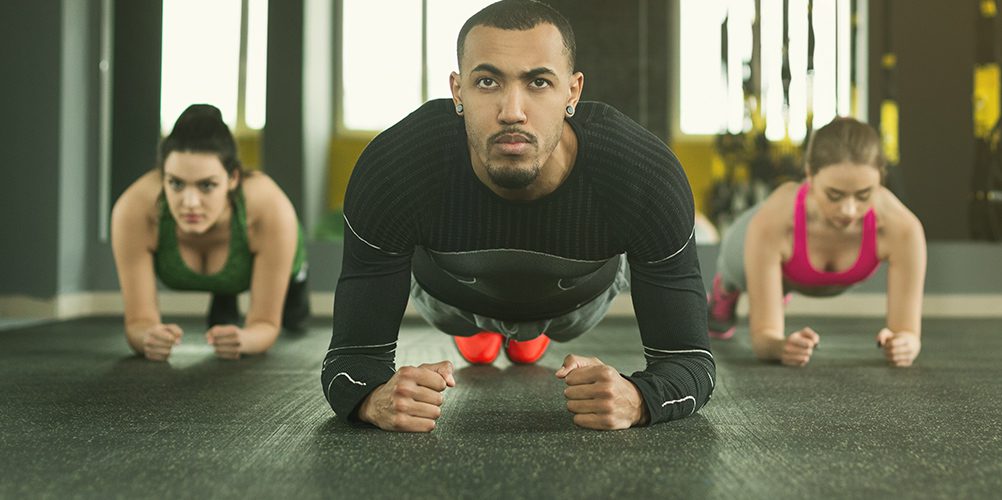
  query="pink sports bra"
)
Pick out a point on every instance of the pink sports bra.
point(799, 270)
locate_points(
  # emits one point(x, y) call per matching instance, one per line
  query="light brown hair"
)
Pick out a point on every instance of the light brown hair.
point(845, 140)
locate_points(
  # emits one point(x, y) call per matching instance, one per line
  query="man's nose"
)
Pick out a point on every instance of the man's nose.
point(512, 108)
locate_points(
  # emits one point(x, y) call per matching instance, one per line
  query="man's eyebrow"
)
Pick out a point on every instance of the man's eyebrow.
point(528, 75)
point(533, 73)
point(490, 68)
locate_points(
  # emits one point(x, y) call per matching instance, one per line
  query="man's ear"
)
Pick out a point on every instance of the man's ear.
point(457, 97)
point(577, 88)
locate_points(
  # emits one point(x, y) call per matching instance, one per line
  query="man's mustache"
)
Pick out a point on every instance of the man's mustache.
point(531, 139)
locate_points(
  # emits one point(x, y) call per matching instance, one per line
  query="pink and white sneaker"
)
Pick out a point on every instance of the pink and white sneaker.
point(722, 306)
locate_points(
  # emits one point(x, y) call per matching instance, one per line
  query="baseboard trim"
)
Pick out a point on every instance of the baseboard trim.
point(76, 305)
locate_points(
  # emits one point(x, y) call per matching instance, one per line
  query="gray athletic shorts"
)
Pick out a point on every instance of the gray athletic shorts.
point(455, 321)
point(731, 256)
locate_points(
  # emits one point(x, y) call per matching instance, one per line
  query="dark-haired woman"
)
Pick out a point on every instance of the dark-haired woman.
point(819, 238)
point(198, 222)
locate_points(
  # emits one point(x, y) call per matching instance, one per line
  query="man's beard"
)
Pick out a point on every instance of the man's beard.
point(513, 177)
point(508, 173)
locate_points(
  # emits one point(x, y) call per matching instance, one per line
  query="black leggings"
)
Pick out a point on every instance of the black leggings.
point(295, 311)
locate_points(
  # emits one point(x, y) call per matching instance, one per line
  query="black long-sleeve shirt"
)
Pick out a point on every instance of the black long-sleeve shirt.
point(414, 204)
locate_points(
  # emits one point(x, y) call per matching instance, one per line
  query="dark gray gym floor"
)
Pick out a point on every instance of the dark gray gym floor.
point(81, 417)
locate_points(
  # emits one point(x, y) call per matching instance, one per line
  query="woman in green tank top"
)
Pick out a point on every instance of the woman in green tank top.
point(198, 222)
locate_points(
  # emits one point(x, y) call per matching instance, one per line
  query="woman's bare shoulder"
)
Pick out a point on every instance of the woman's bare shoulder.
point(139, 200)
point(785, 192)
point(894, 217)
point(265, 200)
point(136, 214)
point(261, 192)
point(776, 212)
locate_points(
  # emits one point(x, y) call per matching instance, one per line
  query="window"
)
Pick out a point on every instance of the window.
point(204, 46)
point(392, 64)
point(380, 62)
point(702, 81)
point(445, 19)
point(715, 77)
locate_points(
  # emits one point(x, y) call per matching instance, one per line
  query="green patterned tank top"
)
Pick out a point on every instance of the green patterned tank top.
point(234, 277)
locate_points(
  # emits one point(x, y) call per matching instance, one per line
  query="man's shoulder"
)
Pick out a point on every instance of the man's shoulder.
point(422, 139)
point(597, 113)
point(432, 124)
point(618, 134)
point(434, 109)
point(435, 114)
point(600, 114)
point(630, 165)
point(404, 163)
point(619, 146)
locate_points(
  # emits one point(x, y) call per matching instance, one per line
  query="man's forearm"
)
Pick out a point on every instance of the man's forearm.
point(349, 379)
point(645, 413)
point(675, 388)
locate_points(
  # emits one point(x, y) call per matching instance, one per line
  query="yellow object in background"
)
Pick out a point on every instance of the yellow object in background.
point(889, 61)
point(889, 130)
point(987, 82)
point(702, 166)
point(344, 153)
point(249, 150)
point(988, 8)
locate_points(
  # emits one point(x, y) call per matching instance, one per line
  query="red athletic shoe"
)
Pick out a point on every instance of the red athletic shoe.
point(480, 349)
point(527, 352)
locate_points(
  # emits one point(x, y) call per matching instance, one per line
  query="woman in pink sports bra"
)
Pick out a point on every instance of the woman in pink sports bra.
point(819, 238)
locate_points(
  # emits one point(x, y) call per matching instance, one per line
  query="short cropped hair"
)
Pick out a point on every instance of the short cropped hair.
point(519, 15)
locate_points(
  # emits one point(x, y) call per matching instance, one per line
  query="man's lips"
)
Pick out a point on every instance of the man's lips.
point(513, 144)
point(511, 139)
point(513, 148)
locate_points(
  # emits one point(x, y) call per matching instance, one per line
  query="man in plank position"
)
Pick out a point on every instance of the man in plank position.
point(517, 209)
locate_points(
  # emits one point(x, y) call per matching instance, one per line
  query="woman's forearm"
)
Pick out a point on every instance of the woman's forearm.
point(258, 337)
point(135, 330)
point(768, 346)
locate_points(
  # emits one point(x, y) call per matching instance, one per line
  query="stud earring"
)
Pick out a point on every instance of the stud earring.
point(459, 109)
point(570, 110)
